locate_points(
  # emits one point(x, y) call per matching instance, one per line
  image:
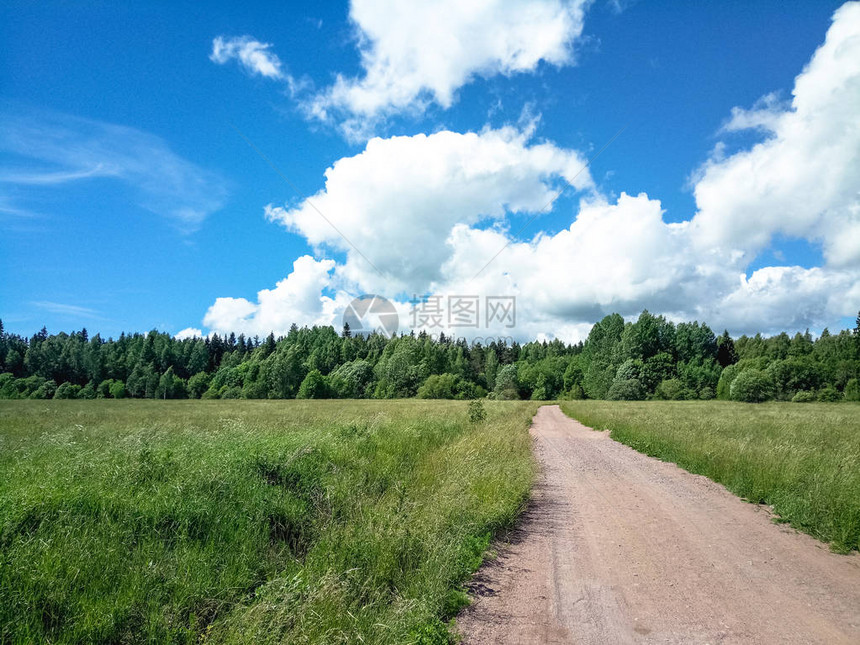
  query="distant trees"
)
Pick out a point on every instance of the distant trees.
point(650, 357)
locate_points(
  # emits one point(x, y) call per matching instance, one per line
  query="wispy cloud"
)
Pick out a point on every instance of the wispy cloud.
point(73, 311)
point(49, 149)
point(255, 57)
point(56, 177)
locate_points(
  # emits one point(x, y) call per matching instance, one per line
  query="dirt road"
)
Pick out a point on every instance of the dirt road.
point(618, 548)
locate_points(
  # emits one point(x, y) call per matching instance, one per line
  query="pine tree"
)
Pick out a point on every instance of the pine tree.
point(726, 352)
point(269, 346)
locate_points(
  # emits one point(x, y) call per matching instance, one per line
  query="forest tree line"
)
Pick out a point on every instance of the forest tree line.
point(649, 358)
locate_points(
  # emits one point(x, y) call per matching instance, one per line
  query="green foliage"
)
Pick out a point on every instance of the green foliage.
point(477, 413)
point(650, 350)
point(67, 391)
point(726, 353)
point(507, 387)
point(629, 370)
point(170, 386)
point(626, 390)
point(706, 393)
point(314, 386)
point(724, 385)
point(576, 393)
point(353, 380)
point(198, 384)
point(795, 458)
point(250, 521)
point(439, 386)
point(804, 396)
point(117, 390)
point(852, 390)
point(752, 386)
point(671, 390)
point(829, 394)
point(87, 392)
point(657, 369)
point(602, 354)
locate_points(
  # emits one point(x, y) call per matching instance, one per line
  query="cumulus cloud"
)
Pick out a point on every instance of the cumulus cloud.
point(430, 211)
point(415, 53)
point(298, 298)
point(802, 180)
point(398, 200)
point(254, 57)
point(49, 149)
point(188, 332)
point(789, 297)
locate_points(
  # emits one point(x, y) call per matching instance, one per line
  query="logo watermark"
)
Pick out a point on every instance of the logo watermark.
point(456, 312)
point(450, 317)
point(370, 313)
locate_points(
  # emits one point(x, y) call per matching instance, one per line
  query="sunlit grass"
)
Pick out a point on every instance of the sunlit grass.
point(249, 521)
point(803, 459)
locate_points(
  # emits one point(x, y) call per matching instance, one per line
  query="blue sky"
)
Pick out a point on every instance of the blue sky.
point(130, 200)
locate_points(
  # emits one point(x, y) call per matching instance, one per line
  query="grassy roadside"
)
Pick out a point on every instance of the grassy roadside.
point(804, 460)
point(249, 521)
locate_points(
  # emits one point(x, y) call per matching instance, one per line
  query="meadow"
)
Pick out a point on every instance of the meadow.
point(250, 521)
point(803, 460)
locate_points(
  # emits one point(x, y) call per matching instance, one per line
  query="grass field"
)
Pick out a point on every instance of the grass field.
point(804, 460)
point(249, 521)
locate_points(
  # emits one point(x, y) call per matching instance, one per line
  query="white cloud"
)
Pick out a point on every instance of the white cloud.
point(789, 297)
point(398, 201)
point(70, 311)
point(802, 180)
point(414, 53)
point(419, 208)
point(296, 299)
point(53, 149)
point(255, 57)
point(188, 332)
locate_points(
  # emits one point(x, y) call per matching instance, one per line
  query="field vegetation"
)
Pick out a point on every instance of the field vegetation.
point(250, 521)
point(804, 461)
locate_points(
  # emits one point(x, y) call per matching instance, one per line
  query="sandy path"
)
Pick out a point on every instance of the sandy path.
point(618, 548)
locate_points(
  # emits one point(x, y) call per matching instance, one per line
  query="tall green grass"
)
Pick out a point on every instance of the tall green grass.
point(249, 521)
point(804, 460)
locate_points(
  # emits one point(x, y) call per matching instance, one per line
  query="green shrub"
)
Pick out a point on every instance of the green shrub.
point(539, 394)
point(439, 386)
point(852, 390)
point(670, 390)
point(477, 413)
point(576, 393)
point(803, 396)
point(314, 386)
point(45, 391)
point(724, 385)
point(629, 370)
point(706, 393)
point(67, 391)
point(626, 390)
point(87, 392)
point(752, 386)
point(198, 384)
point(103, 389)
point(829, 394)
point(117, 390)
point(507, 386)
